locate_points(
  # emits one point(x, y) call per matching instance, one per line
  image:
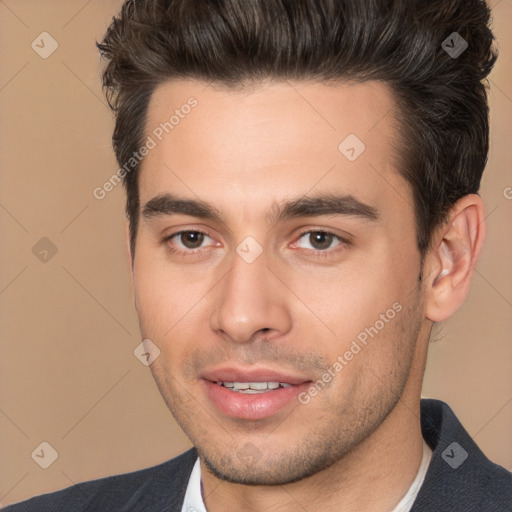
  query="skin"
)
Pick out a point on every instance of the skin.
point(358, 441)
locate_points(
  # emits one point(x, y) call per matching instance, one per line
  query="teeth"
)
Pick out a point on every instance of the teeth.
point(258, 385)
point(253, 387)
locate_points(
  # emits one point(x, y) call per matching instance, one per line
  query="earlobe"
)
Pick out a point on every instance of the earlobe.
point(452, 263)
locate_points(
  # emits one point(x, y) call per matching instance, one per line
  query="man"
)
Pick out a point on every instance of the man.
point(302, 185)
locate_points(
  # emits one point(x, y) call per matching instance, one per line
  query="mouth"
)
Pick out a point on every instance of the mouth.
point(253, 388)
point(251, 395)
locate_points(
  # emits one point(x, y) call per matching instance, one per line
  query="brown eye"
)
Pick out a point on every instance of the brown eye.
point(191, 239)
point(190, 243)
point(320, 240)
point(319, 243)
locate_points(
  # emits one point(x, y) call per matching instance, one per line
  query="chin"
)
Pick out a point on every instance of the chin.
point(247, 466)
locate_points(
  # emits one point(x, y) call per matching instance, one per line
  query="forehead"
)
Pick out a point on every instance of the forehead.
point(270, 142)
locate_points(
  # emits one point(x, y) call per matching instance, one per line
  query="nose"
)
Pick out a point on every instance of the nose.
point(251, 299)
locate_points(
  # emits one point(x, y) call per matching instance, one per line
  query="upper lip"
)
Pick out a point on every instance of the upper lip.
point(232, 374)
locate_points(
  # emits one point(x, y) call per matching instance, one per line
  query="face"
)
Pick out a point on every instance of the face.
point(276, 271)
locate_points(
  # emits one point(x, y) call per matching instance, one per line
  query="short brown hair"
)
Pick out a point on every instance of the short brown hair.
point(442, 99)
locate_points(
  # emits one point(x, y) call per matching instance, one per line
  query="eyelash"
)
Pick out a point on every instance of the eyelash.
point(315, 253)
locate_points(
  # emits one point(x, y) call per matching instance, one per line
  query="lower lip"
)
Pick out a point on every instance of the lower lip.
point(251, 406)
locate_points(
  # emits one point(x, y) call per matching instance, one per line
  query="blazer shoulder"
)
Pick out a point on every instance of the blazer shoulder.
point(496, 488)
point(143, 489)
point(460, 477)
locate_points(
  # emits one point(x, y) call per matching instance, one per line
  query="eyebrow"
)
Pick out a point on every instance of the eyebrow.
point(312, 206)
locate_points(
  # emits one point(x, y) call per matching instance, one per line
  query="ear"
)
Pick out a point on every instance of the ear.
point(451, 261)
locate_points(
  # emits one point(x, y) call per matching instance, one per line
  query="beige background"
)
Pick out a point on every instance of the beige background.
point(68, 328)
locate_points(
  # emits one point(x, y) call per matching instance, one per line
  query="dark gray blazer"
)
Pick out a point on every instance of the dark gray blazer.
point(459, 479)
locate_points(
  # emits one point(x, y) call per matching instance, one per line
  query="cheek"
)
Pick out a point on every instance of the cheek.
point(149, 291)
point(364, 302)
point(160, 291)
point(347, 300)
point(170, 306)
point(373, 357)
